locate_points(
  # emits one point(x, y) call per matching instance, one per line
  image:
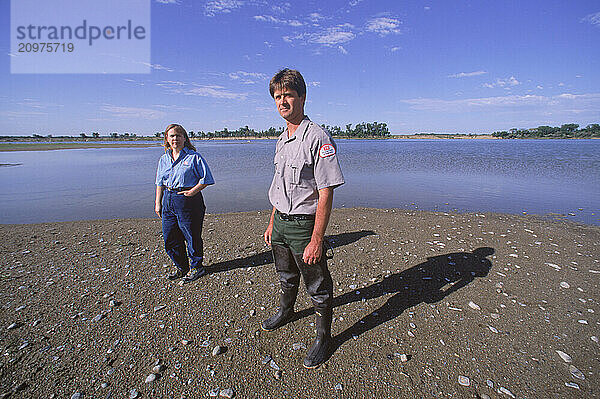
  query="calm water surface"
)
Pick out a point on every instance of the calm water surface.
point(508, 176)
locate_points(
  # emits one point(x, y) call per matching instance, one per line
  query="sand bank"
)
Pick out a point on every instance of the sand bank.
point(427, 305)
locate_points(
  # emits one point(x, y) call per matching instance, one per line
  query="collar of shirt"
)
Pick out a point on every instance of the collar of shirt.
point(184, 151)
point(299, 133)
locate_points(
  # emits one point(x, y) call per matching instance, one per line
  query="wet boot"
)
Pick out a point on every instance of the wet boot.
point(289, 278)
point(320, 288)
point(320, 350)
point(285, 312)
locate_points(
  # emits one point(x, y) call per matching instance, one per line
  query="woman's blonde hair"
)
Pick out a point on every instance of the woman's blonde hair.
point(178, 129)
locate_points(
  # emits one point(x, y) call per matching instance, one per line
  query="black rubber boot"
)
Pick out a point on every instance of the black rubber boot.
point(289, 278)
point(320, 288)
point(320, 350)
point(285, 312)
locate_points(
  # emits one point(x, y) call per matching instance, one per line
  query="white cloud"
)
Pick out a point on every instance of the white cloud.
point(22, 114)
point(158, 67)
point(574, 103)
point(314, 84)
point(281, 8)
point(508, 82)
point(170, 84)
point(394, 49)
point(315, 17)
point(593, 19)
point(467, 74)
point(242, 74)
point(268, 18)
point(168, 1)
point(215, 7)
point(384, 26)
point(133, 112)
point(275, 20)
point(354, 3)
point(569, 96)
point(247, 77)
point(342, 50)
point(427, 8)
point(33, 103)
point(330, 37)
point(194, 89)
point(213, 91)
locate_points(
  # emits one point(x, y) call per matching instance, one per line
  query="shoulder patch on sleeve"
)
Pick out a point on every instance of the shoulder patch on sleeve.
point(326, 150)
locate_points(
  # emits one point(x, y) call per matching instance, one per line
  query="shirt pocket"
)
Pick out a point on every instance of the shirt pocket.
point(278, 166)
point(299, 172)
point(188, 172)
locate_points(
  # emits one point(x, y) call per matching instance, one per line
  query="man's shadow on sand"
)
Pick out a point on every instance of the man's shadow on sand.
point(266, 257)
point(427, 282)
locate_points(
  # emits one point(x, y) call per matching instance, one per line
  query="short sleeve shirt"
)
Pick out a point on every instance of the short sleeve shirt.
point(304, 164)
point(187, 170)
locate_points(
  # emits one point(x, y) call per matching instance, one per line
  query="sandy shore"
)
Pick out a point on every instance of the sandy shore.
point(6, 147)
point(428, 305)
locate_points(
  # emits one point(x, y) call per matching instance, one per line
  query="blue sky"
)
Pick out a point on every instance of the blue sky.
point(420, 66)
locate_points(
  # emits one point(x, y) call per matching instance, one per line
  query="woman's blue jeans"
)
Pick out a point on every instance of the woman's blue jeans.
point(182, 219)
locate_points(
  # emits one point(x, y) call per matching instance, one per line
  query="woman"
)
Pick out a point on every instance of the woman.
point(180, 177)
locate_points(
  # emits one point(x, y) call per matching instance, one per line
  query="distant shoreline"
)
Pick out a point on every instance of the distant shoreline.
point(8, 143)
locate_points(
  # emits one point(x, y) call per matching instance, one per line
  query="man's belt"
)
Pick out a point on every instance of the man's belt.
point(289, 218)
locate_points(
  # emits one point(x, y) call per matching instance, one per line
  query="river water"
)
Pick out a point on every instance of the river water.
point(507, 176)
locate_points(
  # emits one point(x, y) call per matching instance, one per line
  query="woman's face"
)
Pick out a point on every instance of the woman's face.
point(175, 139)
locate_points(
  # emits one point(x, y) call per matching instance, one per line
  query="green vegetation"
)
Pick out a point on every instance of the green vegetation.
point(566, 131)
point(361, 130)
point(241, 132)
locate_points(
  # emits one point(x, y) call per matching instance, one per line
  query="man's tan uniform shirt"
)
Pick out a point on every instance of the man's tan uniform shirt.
point(304, 164)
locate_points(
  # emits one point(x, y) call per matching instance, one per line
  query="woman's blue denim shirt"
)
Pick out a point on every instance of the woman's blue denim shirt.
point(187, 170)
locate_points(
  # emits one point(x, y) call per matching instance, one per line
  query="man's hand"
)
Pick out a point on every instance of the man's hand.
point(314, 249)
point(268, 234)
point(313, 252)
point(157, 209)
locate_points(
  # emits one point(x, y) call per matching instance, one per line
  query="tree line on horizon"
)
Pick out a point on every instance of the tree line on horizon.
point(568, 130)
point(364, 129)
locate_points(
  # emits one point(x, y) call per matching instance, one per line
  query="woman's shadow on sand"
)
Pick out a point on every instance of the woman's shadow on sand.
point(427, 282)
point(266, 257)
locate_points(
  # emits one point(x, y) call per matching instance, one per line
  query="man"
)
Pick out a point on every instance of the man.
point(306, 172)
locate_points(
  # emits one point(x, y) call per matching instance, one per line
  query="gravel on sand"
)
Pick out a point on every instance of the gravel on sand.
point(427, 305)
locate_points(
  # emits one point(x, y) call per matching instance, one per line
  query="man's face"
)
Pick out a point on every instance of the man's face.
point(289, 104)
